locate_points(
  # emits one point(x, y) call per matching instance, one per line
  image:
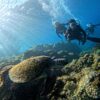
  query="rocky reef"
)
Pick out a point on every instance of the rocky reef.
point(81, 80)
point(68, 51)
point(36, 78)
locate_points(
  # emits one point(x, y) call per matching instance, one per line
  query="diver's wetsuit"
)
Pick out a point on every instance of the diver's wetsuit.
point(76, 33)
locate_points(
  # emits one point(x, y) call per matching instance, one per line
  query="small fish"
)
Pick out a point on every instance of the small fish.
point(71, 53)
point(60, 61)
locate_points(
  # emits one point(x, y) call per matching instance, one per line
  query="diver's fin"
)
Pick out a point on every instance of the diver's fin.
point(93, 39)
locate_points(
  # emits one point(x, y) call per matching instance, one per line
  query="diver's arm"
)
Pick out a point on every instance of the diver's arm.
point(58, 34)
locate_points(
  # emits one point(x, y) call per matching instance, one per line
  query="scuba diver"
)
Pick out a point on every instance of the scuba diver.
point(91, 28)
point(74, 31)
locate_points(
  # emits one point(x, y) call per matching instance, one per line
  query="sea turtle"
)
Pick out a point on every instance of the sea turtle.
point(26, 79)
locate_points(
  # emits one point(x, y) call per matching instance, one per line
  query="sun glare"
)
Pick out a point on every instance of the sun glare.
point(8, 24)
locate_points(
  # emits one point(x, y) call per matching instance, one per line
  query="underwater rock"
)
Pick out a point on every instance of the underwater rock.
point(29, 69)
point(85, 61)
point(21, 82)
point(81, 80)
point(10, 61)
point(26, 79)
point(5, 94)
point(89, 84)
point(58, 50)
point(40, 78)
point(69, 51)
point(93, 88)
point(1, 83)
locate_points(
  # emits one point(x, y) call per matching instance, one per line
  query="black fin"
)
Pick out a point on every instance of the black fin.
point(93, 39)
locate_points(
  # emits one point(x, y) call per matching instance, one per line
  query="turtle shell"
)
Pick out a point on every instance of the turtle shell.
point(29, 69)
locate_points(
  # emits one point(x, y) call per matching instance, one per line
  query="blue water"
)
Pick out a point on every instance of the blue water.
point(27, 23)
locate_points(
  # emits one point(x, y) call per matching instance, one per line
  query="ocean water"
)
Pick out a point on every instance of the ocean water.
point(35, 64)
point(28, 23)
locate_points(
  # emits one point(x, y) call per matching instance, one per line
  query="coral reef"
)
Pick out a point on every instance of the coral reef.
point(58, 50)
point(29, 69)
point(68, 51)
point(39, 78)
point(81, 80)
